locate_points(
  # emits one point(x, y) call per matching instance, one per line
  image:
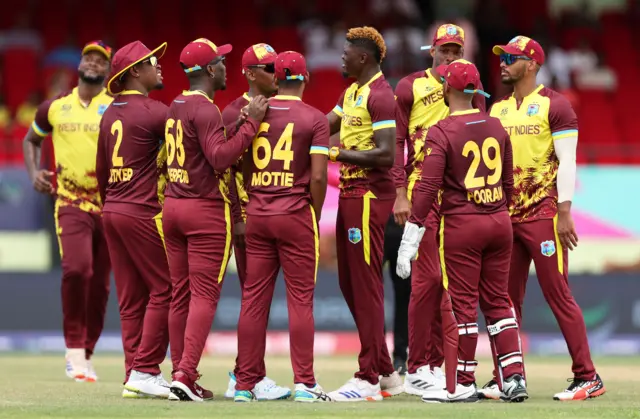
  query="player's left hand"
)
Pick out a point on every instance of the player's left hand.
point(238, 234)
point(567, 230)
point(408, 250)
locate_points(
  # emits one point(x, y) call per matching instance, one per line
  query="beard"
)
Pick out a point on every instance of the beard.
point(345, 75)
point(158, 86)
point(95, 80)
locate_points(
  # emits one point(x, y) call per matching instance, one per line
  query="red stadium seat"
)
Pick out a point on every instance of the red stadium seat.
point(599, 130)
point(22, 70)
point(324, 89)
point(285, 39)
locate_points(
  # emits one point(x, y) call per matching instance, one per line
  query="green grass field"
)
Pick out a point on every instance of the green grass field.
point(36, 387)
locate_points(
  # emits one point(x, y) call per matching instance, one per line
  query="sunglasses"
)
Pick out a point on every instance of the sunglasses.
point(217, 61)
point(509, 59)
point(268, 68)
point(153, 60)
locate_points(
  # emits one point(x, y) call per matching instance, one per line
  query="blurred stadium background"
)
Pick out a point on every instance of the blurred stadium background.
point(593, 58)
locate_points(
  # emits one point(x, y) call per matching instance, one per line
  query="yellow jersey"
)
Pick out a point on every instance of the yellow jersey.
point(364, 110)
point(74, 128)
point(544, 116)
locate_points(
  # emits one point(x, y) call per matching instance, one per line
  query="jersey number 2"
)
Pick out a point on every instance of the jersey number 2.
point(493, 163)
point(116, 129)
point(175, 148)
point(282, 150)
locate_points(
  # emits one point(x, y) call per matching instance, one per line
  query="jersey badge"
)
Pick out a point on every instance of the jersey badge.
point(355, 235)
point(548, 248)
point(102, 108)
point(533, 109)
point(359, 101)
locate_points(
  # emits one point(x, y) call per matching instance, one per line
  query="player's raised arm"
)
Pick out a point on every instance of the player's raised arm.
point(564, 131)
point(435, 161)
point(319, 157)
point(335, 116)
point(220, 152)
point(404, 103)
point(507, 170)
point(102, 166)
point(32, 148)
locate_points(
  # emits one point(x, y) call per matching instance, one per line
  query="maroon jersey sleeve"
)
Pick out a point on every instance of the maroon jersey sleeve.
point(41, 124)
point(382, 108)
point(435, 162)
point(220, 153)
point(320, 140)
point(231, 113)
point(507, 170)
point(563, 121)
point(404, 103)
point(479, 101)
point(102, 166)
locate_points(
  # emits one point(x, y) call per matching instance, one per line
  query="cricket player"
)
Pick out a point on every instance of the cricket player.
point(197, 213)
point(258, 68)
point(469, 154)
point(73, 120)
point(131, 171)
point(544, 131)
point(365, 118)
point(419, 106)
point(287, 169)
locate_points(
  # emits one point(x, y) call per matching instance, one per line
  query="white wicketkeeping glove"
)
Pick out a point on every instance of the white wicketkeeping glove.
point(411, 238)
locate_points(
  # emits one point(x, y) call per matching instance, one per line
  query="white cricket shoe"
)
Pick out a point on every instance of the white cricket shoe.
point(267, 389)
point(90, 374)
point(128, 394)
point(76, 364)
point(582, 390)
point(357, 390)
point(150, 385)
point(391, 385)
point(313, 394)
point(463, 394)
point(490, 391)
point(424, 380)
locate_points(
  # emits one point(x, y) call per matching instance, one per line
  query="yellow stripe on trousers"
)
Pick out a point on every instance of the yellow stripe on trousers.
point(316, 240)
point(227, 244)
point(443, 266)
point(56, 217)
point(158, 220)
point(366, 233)
point(559, 252)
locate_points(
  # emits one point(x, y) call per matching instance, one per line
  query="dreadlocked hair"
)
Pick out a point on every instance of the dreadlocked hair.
point(368, 37)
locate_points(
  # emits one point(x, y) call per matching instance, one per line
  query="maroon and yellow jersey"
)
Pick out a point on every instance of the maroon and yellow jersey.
point(199, 157)
point(74, 128)
point(542, 118)
point(132, 158)
point(280, 156)
point(469, 156)
point(230, 116)
point(419, 106)
point(364, 110)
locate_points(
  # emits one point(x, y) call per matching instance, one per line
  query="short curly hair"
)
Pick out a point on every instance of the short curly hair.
point(369, 38)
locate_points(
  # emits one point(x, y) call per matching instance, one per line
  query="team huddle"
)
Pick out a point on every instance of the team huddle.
point(164, 196)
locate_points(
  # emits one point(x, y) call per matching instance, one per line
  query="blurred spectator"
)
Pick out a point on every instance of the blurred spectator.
point(65, 55)
point(27, 111)
point(5, 115)
point(323, 43)
point(21, 35)
point(557, 68)
point(407, 9)
point(596, 76)
point(61, 81)
point(403, 47)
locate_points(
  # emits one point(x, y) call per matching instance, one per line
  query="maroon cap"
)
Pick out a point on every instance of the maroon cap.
point(258, 54)
point(463, 76)
point(521, 45)
point(447, 34)
point(197, 54)
point(128, 56)
point(291, 65)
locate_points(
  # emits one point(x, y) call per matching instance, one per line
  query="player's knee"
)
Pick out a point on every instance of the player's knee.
point(79, 269)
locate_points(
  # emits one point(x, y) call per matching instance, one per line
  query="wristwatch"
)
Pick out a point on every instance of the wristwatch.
point(334, 152)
